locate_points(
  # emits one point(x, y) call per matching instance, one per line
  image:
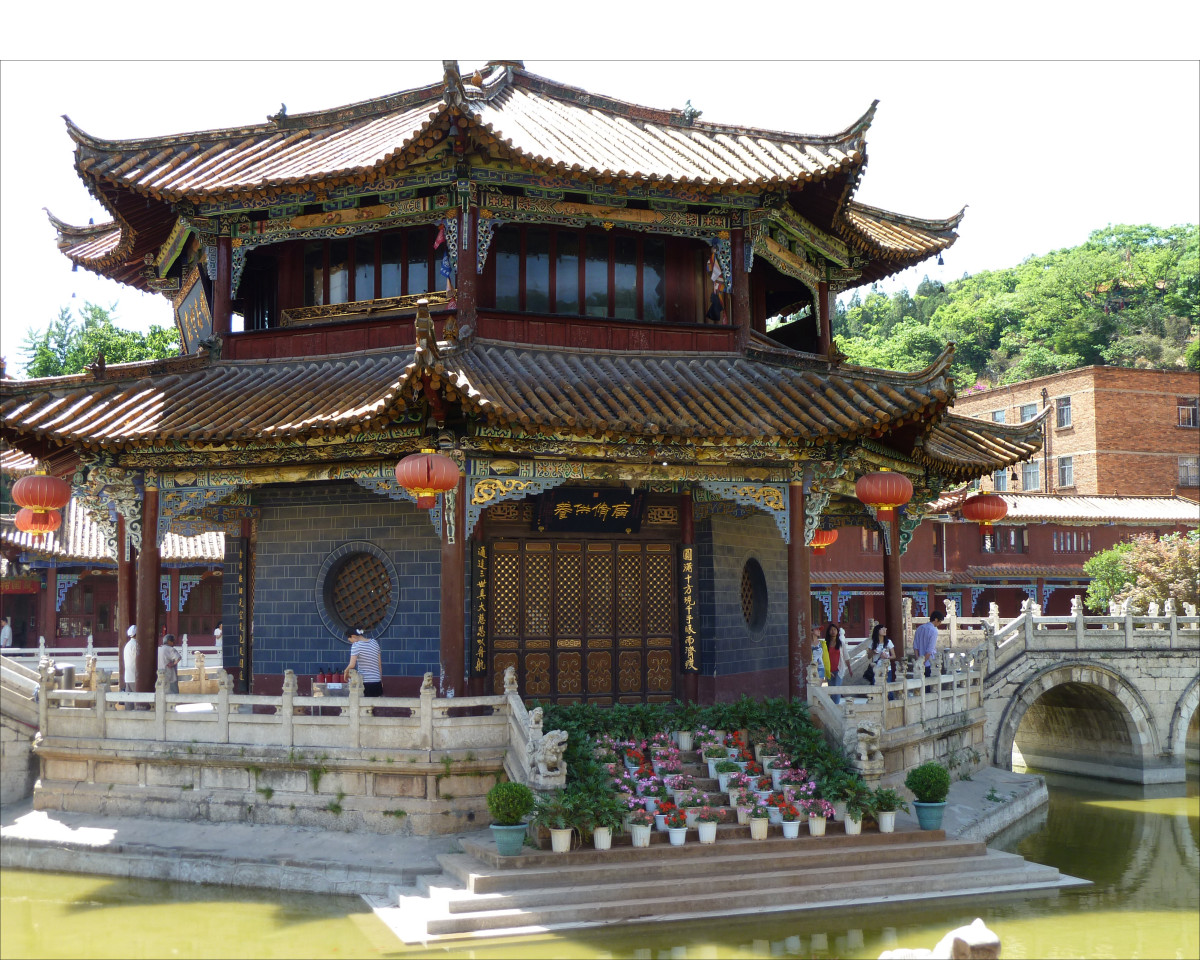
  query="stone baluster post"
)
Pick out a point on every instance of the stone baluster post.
point(427, 695)
point(101, 709)
point(41, 648)
point(47, 684)
point(1152, 612)
point(1027, 621)
point(160, 705)
point(952, 621)
point(1080, 625)
point(89, 672)
point(994, 615)
point(1173, 624)
point(223, 688)
point(88, 651)
point(906, 622)
point(355, 707)
point(200, 674)
point(183, 651)
point(286, 707)
point(1127, 611)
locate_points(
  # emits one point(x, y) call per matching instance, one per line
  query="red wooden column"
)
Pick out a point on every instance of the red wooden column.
point(893, 589)
point(799, 597)
point(825, 321)
point(173, 613)
point(126, 593)
point(222, 293)
point(453, 593)
point(47, 609)
point(149, 568)
point(689, 679)
point(740, 299)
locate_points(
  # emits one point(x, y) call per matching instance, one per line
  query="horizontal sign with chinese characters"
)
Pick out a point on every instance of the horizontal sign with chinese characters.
point(587, 510)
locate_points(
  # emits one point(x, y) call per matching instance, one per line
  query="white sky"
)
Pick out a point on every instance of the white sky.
point(1042, 151)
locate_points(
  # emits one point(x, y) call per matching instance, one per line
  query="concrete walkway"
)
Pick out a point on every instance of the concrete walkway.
point(302, 859)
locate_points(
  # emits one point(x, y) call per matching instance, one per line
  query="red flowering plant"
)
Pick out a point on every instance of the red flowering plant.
point(710, 815)
point(816, 807)
point(666, 807)
point(676, 819)
point(634, 757)
point(640, 818)
point(789, 812)
point(778, 800)
point(754, 768)
point(765, 783)
point(744, 756)
point(771, 746)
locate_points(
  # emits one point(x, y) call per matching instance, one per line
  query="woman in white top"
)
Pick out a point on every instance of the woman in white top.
point(882, 655)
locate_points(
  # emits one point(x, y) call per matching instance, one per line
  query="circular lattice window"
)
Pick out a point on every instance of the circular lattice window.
point(754, 595)
point(357, 587)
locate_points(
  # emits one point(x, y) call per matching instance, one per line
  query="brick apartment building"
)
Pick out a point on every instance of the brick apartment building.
point(1110, 430)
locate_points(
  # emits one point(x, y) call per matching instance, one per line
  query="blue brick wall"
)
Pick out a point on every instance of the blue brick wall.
point(723, 545)
point(232, 582)
point(300, 526)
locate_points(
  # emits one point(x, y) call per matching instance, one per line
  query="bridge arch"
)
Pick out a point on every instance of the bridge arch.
point(1109, 703)
point(1182, 718)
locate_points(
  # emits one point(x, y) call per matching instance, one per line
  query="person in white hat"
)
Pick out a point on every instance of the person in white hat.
point(129, 656)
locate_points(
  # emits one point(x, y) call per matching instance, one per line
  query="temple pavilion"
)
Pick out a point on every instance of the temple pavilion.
point(614, 319)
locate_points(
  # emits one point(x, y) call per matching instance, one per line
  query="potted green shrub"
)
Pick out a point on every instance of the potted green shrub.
point(509, 803)
point(884, 804)
point(856, 807)
point(605, 814)
point(930, 784)
point(723, 769)
point(555, 813)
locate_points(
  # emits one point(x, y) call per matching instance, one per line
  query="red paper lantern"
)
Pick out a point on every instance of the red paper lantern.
point(425, 475)
point(884, 491)
point(822, 539)
point(41, 493)
point(38, 522)
point(985, 509)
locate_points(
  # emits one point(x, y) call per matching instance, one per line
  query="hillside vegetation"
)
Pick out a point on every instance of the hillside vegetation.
point(1129, 297)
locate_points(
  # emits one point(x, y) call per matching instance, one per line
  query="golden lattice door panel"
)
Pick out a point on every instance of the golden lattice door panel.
point(569, 680)
point(361, 591)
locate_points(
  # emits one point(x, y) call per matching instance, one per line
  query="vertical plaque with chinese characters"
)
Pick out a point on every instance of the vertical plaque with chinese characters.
point(690, 634)
point(192, 313)
point(478, 618)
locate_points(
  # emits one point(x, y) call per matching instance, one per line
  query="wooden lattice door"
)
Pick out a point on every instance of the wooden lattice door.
point(584, 620)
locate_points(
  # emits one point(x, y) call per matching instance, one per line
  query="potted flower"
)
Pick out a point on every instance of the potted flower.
point(745, 801)
point(754, 769)
point(554, 812)
point(680, 783)
point(736, 783)
point(884, 804)
point(677, 828)
point(690, 803)
point(763, 787)
point(768, 749)
point(724, 768)
point(790, 817)
point(856, 806)
point(606, 814)
point(819, 811)
point(706, 823)
point(660, 815)
point(640, 823)
point(652, 789)
point(759, 817)
point(509, 803)
point(712, 753)
point(930, 784)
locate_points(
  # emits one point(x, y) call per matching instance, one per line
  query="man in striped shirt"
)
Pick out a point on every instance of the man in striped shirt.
point(365, 657)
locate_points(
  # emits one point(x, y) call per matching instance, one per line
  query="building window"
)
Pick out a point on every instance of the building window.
point(997, 416)
point(1189, 471)
point(1030, 479)
point(1189, 412)
point(870, 541)
point(1062, 412)
point(1072, 541)
point(369, 268)
point(1000, 481)
point(939, 538)
point(1066, 471)
point(1004, 540)
point(1028, 412)
point(357, 586)
point(754, 595)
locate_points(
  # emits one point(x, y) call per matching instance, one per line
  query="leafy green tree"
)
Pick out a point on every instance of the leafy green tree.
point(70, 343)
point(1110, 572)
point(1162, 568)
point(1192, 356)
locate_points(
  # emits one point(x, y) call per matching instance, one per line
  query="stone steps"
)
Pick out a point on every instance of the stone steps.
point(480, 893)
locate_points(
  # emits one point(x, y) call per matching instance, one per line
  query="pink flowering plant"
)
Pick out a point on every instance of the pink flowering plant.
point(710, 815)
point(680, 781)
point(760, 811)
point(747, 798)
point(691, 798)
point(669, 761)
point(653, 787)
point(640, 818)
point(740, 781)
point(816, 807)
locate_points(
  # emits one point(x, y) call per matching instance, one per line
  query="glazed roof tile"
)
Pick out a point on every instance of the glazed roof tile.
point(16, 463)
point(876, 576)
point(80, 539)
point(1026, 570)
point(690, 395)
point(1095, 509)
point(963, 447)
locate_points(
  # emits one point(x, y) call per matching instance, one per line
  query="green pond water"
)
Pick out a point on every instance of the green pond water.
point(1138, 845)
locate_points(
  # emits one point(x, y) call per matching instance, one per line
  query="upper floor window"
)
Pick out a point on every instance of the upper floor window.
point(1030, 476)
point(1000, 481)
point(1066, 471)
point(870, 541)
point(625, 276)
point(1004, 539)
point(1072, 541)
point(1189, 471)
point(1028, 411)
point(998, 416)
point(370, 268)
point(1189, 414)
point(1062, 412)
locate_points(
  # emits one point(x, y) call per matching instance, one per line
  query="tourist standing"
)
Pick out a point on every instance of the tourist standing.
point(882, 656)
point(925, 640)
point(837, 659)
point(129, 659)
point(6, 632)
point(367, 659)
point(168, 662)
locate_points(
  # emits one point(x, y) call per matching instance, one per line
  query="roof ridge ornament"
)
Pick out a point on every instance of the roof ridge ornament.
point(690, 114)
point(455, 93)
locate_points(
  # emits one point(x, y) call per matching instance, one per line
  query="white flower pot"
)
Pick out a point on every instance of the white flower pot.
point(678, 836)
point(733, 752)
point(723, 781)
point(640, 835)
point(791, 829)
point(816, 826)
point(692, 813)
point(766, 759)
point(839, 810)
point(775, 816)
point(763, 795)
point(775, 778)
point(712, 769)
point(743, 814)
point(887, 821)
point(707, 832)
point(560, 840)
point(758, 829)
point(660, 822)
point(602, 838)
point(684, 738)
point(650, 803)
point(853, 827)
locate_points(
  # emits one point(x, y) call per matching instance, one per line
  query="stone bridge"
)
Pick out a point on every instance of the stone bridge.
point(1113, 697)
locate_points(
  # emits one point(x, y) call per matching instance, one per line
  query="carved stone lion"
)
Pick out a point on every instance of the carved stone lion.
point(547, 753)
point(868, 743)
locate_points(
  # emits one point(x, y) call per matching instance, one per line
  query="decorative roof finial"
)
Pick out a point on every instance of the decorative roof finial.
point(690, 113)
point(454, 94)
point(280, 116)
